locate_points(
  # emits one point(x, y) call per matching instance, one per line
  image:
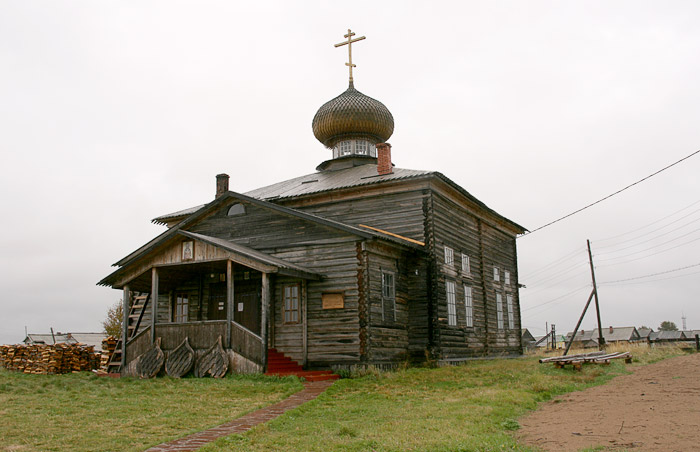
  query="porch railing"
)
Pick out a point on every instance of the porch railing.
point(201, 335)
point(246, 343)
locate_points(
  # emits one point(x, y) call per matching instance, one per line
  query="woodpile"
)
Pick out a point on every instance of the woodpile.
point(109, 344)
point(49, 359)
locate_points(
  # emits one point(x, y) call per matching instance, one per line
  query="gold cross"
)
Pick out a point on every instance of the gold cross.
point(349, 43)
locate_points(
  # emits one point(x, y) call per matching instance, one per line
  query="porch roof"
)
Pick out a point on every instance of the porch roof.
point(237, 253)
point(283, 267)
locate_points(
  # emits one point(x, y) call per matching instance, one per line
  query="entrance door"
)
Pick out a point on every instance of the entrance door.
point(247, 307)
point(216, 309)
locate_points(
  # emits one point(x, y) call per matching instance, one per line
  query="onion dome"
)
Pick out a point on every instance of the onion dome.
point(352, 116)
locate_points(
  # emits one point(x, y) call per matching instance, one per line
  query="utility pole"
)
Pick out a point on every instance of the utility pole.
point(554, 337)
point(594, 294)
point(601, 340)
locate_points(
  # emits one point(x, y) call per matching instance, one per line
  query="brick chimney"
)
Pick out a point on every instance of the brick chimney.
point(221, 184)
point(384, 165)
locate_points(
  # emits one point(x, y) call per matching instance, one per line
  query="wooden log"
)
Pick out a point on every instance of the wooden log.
point(180, 361)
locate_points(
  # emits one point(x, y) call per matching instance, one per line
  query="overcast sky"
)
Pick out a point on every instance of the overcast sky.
point(115, 112)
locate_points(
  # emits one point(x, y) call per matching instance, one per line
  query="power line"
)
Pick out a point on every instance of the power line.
point(555, 299)
point(650, 224)
point(650, 239)
point(611, 195)
point(654, 280)
point(652, 274)
point(655, 246)
point(648, 255)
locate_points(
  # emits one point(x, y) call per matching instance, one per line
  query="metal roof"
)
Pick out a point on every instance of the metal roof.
point(332, 180)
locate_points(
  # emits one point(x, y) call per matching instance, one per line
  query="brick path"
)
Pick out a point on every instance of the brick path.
point(244, 423)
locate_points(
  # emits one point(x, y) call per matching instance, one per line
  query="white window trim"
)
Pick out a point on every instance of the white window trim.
point(511, 319)
point(449, 256)
point(496, 274)
point(451, 303)
point(506, 277)
point(499, 310)
point(466, 264)
point(468, 306)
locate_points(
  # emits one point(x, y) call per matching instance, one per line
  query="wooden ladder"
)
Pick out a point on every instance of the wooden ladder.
point(136, 312)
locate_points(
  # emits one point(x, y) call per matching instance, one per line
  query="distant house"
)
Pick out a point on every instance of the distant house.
point(528, 340)
point(94, 339)
point(583, 339)
point(612, 335)
point(667, 336)
point(644, 333)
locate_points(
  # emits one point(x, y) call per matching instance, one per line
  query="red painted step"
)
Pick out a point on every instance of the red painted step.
point(281, 365)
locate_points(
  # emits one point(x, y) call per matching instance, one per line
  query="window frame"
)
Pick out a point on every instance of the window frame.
point(291, 315)
point(181, 307)
point(499, 311)
point(449, 256)
point(466, 264)
point(496, 274)
point(451, 297)
point(506, 277)
point(509, 307)
point(468, 306)
point(388, 292)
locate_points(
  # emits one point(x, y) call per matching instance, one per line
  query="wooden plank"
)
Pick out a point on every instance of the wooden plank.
point(154, 306)
point(126, 301)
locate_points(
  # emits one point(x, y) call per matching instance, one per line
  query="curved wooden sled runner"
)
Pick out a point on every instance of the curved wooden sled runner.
point(214, 362)
point(150, 363)
point(180, 360)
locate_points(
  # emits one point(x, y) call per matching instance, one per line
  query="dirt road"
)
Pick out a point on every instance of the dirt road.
point(656, 408)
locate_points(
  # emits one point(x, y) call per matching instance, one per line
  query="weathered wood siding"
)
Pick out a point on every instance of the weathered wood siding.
point(390, 321)
point(400, 213)
point(261, 228)
point(487, 246)
point(332, 334)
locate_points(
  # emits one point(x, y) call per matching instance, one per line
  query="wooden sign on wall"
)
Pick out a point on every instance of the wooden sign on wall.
point(333, 300)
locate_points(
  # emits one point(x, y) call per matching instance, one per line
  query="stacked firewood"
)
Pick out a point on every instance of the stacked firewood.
point(49, 359)
point(109, 344)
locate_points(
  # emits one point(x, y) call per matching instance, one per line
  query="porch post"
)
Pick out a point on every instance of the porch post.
point(154, 303)
point(304, 324)
point(229, 301)
point(266, 297)
point(126, 299)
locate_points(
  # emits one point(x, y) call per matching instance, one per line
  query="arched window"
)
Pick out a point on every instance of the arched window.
point(236, 209)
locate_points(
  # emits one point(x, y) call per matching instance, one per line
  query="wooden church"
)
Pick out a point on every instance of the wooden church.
point(359, 263)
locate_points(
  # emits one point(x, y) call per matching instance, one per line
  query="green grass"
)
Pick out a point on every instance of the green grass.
point(472, 407)
point(82, 412)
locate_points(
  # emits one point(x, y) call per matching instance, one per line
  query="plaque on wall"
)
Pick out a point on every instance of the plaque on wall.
point(188, 250)
point(333, 301)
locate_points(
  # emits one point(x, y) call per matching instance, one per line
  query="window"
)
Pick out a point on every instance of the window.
point(496, 274)
point(345, 147)
point(468, 306)
point(236, 209)
point(466, 266)
point(361, 147)
point(506, 277)
point(499, 310)
point(509, 304)
point(291, 303)
point(451, 303)
point(182, 307)
point(449, 256)
point(388, 295)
